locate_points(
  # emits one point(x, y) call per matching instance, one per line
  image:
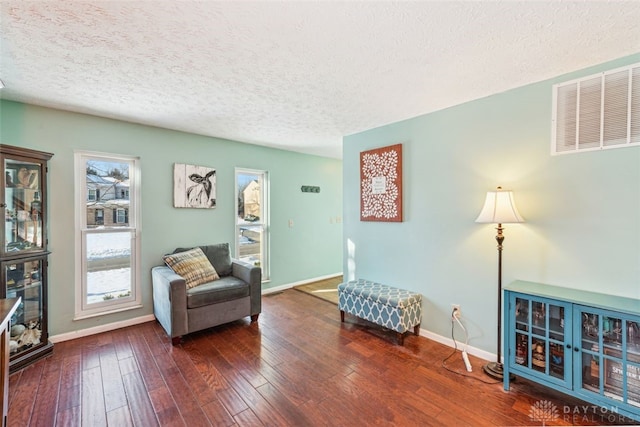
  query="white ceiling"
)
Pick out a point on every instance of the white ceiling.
point(294, 75)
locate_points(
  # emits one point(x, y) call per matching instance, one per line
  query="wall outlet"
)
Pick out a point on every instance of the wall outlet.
point(455, 310)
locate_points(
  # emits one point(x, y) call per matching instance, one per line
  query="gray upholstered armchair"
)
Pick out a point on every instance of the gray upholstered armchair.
point(182, 310)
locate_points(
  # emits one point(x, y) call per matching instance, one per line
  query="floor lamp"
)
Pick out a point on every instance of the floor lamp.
point(499, 208)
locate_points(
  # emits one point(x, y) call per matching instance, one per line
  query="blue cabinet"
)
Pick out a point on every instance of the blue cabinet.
point(582, 343)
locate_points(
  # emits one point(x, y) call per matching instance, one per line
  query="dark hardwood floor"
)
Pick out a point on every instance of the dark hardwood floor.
point(299, 366)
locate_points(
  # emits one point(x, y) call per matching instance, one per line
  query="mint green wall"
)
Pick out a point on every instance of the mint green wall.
point(312, 248)
point(582, 210)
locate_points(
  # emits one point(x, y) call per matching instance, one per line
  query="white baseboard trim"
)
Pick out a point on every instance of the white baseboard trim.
point(142, 319)
point(449, 342)
point(102, 328)
point(302, 282)
point(149, 317)
point(423, 332)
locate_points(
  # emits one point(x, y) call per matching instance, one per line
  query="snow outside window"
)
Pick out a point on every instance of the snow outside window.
point(107, 233)
point(252, 218)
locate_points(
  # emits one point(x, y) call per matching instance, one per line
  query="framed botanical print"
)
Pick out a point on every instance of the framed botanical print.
point(381, 184)
point(194, 186)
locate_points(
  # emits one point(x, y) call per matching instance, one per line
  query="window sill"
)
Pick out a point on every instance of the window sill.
point(83, 316)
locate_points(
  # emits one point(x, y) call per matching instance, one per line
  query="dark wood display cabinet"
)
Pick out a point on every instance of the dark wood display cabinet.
point(23, 251)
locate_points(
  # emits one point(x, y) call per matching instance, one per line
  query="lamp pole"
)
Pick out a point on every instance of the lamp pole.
point(499, 208)
point(499, 239)
point(495, 370)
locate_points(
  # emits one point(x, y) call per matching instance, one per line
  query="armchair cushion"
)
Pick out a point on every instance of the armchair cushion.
point(219, 256)
point(226, 289)
point(193, 266)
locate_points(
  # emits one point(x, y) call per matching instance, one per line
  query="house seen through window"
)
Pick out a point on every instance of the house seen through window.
point(107, 233)
point(252, 220)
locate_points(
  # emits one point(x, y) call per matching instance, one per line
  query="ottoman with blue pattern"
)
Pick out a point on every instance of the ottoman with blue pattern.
point(393, 308)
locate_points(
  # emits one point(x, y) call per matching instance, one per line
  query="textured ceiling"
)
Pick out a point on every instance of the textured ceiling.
point(294, 75)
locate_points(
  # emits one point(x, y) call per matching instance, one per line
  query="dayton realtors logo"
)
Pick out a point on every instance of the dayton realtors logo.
point(544, 411)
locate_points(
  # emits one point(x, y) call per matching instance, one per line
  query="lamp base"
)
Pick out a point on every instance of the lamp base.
point(495, 370)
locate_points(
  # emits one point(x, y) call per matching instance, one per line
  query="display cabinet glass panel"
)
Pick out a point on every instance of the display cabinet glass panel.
point(633, 341)
point(23, 250)
point(23, 229)
point(633, 394)
point(24, 279)
point(610, 356)
point(539, 339)
point(522, 349)
point(556, 360)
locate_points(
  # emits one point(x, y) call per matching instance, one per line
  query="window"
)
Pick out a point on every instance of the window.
point(107, 234)
point(99, 217)
point(121, 216)
point(252, 218)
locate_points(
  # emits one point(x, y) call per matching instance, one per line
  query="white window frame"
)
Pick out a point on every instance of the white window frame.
point(264, 220)
point(133, 301)
point(93, 195)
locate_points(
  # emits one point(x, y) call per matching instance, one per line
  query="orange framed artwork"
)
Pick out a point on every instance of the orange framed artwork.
point(381, 184)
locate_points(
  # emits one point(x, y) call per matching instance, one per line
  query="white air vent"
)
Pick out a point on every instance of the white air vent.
point(597, 112)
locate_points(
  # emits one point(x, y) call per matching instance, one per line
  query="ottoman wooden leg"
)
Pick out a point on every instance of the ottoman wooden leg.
point(400, 338)
point(416, 329)
point(342, 316)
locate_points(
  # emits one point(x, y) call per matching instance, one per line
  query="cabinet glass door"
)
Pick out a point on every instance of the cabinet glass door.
point(24, 279)
point(610, 360)
point(590, 348)
point(540, 341)
point(23, 230)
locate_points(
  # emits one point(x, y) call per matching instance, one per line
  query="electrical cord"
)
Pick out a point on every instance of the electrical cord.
point(455, 350)
point(466, 335)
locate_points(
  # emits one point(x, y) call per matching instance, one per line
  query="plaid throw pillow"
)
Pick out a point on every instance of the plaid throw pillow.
point(193, 266)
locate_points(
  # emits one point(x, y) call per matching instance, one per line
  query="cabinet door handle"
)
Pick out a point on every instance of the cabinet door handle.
point(576, 349)
point(569, 346)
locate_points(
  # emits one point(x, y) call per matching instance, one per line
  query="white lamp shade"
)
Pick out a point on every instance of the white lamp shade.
point(499, 208)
